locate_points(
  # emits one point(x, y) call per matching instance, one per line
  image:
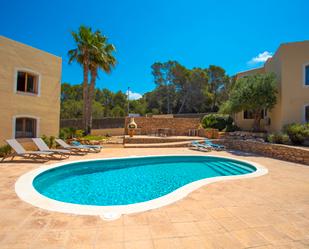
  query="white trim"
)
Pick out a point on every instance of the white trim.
point(25, 190)
point(39, 76)
point(304, 113)
point(304, 74)
point(37, 132)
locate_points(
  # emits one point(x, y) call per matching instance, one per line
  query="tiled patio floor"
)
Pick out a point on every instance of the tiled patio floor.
point(268, 212)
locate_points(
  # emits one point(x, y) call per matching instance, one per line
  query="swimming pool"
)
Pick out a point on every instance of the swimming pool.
point(127, 184)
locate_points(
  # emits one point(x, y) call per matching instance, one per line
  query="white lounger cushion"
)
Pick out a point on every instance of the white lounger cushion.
point(67, 146)
point(43, 146)
point(19, 149)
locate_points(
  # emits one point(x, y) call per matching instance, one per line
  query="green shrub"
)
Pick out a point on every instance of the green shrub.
point(5, 150)
point(297, 133)
point(69, 132)
point(50, 141)
point(155, 111)
point(217, 121)
point(231, 128)
point(78, 133)
point(278, 138)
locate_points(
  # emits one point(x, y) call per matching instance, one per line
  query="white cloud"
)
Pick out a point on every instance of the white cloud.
point(262, 57)
point(134, 96)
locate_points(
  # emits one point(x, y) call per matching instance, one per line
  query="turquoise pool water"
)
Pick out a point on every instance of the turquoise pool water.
point(130, 180)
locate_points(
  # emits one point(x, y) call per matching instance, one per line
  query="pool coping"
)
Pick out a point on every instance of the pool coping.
point(25, 190)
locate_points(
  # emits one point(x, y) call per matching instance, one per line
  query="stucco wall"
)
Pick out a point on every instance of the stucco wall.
point(46, 106)
point(294, 93)
point(288, 65)
point(275, 65)
point(250, 72)
point(246, 124)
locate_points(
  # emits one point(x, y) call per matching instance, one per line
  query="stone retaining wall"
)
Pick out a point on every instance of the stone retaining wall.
point(110, 132)
point(283, 152)
point(102, 123)
point(178, 126)
point(152, 140)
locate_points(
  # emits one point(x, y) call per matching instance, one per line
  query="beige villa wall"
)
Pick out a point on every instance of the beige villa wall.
point(288, 65)
point(246, 124)
point(275, 114)
point(45, 106)
point(250, 72)
point(295, 94)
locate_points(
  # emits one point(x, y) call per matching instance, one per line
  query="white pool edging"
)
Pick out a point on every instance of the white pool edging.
point(28, 193)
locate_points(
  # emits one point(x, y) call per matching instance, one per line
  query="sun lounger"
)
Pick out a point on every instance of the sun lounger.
point(39, 142)
point(20, 151)
point(95, 148)
point(198, 146)
point(214, 146)
point(73, 148)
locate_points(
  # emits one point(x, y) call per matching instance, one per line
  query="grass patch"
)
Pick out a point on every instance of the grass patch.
point(94, 137)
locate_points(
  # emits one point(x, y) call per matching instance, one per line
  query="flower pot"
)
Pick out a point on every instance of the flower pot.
point(131, 132)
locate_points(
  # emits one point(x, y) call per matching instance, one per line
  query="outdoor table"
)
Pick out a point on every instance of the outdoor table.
point(193, 132)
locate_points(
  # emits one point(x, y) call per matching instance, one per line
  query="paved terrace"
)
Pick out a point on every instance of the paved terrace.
point(268, 212)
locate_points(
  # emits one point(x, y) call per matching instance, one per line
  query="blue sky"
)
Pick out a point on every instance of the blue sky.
point(195, 33)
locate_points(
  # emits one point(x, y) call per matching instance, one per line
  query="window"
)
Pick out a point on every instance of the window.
point(25, 127)
point(27, 82)
point(249, 114)
point(307, 114)
point(307, 75)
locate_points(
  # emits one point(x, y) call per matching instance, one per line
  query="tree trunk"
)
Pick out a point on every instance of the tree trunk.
point(94, 74)
point(85, 97)
point(214, 101)
point(257, 121)
point(183, 102)
point(168, 99)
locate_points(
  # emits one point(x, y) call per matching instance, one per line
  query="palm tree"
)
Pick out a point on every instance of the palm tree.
point(92, 52)
point(100, 58)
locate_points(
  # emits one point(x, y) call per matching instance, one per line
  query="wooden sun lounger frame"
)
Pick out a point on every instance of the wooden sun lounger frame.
point(78, 150)
point(42, 146)
point(200, 147)
point(35, 155)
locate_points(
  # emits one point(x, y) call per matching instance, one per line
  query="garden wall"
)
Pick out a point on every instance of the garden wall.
point(180, 115)
point(179, 126)
point(102, 123)
point(109, 132)
point(283, 152)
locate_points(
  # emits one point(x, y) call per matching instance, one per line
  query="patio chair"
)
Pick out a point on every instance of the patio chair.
point(198, 146)
point(214, 146)
point(73, 148)
point(20, 151)
point(42, 146)
point(95, 148)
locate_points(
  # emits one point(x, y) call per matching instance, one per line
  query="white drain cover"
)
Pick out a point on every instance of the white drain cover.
point(110, 216)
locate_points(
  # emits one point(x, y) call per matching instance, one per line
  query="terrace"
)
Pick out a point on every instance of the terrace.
point(271, 211)
point(214, 159)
